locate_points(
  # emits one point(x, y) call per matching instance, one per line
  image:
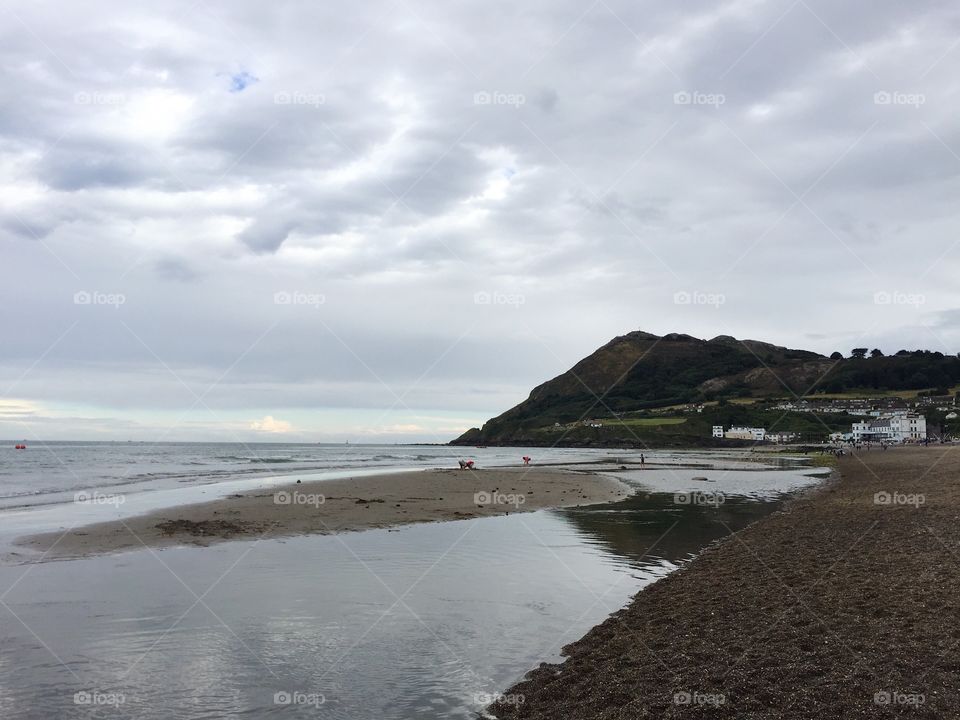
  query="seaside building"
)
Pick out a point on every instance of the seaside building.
point(891, 428)
point(745, 433)
point(718, 431)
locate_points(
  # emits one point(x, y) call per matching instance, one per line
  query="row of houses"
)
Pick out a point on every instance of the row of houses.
point(895, 427)
point(870, 406)
point(752, 433)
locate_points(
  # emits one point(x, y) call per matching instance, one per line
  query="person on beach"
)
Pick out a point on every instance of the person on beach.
point(526, 459)
point(642, 460)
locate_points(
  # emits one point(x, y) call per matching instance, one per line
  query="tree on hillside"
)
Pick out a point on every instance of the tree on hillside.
point(876, 353)
point(836, 356)
point(858, 353)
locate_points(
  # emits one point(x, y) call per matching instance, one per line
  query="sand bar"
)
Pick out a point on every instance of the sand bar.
point(332, 506)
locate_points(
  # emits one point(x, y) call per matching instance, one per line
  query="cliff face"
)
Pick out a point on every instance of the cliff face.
point(640, 371)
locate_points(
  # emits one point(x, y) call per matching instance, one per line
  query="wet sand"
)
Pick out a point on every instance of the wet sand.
point(332, 506)
point(844, 605)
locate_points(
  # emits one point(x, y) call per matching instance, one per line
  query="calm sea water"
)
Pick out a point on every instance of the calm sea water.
point(427, 621)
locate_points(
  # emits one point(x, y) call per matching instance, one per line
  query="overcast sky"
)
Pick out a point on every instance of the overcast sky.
point(295, 220)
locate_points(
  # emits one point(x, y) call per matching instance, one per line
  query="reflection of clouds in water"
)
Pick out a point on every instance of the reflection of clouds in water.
point(496, 596)
point(764, 484)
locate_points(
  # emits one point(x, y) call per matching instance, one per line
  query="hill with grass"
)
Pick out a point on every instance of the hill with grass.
point(623, 392)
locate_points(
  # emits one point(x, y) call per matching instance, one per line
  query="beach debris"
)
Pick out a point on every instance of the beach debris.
point(702, 479)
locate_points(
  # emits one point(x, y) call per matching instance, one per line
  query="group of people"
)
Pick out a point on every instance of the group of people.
point(840, 451)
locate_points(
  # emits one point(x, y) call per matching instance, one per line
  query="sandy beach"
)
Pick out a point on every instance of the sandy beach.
point(843, 605)
point(332, 506)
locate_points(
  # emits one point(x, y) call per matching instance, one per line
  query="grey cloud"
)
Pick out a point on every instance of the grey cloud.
point(199, 204)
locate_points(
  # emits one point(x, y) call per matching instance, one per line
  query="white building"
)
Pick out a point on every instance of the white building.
point(718, 431)
point(892, 428)
point(745, 433)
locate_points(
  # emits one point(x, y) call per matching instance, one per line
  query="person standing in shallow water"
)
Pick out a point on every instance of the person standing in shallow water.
point(642, 460)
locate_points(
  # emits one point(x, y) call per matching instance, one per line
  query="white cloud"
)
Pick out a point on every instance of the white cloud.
point(270, 424)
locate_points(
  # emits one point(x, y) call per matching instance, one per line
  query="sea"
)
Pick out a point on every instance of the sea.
point(423, 621)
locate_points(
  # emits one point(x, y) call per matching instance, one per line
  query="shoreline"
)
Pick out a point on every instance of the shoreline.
point(332, 506)
point(835, 606)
